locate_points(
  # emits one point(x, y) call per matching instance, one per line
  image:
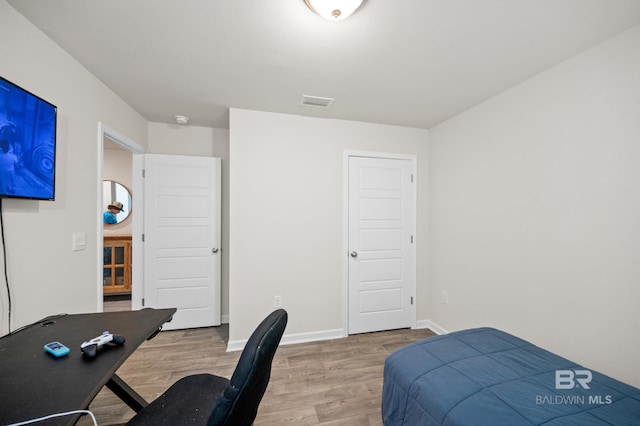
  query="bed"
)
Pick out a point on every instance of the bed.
point(484, 376)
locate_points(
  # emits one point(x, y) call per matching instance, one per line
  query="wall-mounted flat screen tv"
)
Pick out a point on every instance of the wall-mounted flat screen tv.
point(27, 144)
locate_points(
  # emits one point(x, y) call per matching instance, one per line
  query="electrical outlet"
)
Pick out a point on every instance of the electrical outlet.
point(277, 301)
point(445, 297)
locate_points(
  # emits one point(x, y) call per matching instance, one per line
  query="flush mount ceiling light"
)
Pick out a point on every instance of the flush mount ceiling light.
point(334, 10)
point(181, 119)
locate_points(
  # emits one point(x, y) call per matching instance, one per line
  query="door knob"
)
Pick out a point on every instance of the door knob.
point(354, 254)
point(214, 250)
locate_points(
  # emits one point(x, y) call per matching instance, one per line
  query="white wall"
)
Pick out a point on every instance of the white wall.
point(204, 142)
point(45, 276)
point(535, 211)
point(286, 212)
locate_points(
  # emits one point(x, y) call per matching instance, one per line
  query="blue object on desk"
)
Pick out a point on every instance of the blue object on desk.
point(56, 349)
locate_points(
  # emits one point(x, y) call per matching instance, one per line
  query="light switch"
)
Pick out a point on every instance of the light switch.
point(79, 241)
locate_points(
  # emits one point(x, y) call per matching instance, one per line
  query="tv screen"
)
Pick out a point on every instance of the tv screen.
point(27, 144)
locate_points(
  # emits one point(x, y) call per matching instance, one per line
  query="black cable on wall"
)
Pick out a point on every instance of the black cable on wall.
point(4, 258)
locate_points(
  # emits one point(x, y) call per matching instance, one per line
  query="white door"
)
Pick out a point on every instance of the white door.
point(381, 220)
point(182, 238)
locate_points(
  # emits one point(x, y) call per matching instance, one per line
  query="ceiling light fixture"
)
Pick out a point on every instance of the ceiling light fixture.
point(181, 119)
point(334, 10)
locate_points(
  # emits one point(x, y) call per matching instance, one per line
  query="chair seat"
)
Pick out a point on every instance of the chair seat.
point(189, 401)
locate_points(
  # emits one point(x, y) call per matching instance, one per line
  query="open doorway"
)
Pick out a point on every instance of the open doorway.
point(117, 198)
point(117, 227)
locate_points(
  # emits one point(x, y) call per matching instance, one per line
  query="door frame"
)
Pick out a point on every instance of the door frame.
point(345, 227)
point(137, 220)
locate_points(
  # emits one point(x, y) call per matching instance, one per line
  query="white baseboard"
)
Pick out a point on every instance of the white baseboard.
point(291, 339)
point(431, 326)
point(316, 336)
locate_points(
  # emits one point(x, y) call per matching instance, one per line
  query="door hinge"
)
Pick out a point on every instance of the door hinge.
point(412, 239)
point(411, 178)
point(143, 238)
point(143, 301)
point(143, 173)
point(411, 300)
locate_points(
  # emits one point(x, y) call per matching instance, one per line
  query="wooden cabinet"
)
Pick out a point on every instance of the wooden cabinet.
point(116, 278)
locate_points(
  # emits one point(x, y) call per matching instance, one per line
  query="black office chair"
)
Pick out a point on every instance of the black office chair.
point(205, 399)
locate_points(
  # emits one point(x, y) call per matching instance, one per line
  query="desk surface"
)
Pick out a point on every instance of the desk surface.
point(34, 384)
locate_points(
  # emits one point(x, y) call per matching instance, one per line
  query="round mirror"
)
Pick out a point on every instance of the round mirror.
point(117, 202)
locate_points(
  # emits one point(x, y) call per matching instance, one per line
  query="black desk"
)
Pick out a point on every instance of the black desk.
point(34, 384)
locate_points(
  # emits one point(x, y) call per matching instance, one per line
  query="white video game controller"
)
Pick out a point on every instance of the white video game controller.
point(90, 347)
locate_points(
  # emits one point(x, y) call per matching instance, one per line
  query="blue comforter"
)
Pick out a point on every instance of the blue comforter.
point(484, 377)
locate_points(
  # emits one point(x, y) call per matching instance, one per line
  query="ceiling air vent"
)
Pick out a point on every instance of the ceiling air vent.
point(316, 101)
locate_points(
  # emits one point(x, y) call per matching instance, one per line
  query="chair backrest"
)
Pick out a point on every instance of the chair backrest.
point(238, 404)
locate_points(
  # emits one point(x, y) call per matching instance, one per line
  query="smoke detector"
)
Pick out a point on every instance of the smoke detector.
point(181, 119)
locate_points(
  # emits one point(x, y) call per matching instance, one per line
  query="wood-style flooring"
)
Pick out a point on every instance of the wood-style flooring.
point(336, 382)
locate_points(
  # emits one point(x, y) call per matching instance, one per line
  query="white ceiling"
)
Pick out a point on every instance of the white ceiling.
point(405, 62)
